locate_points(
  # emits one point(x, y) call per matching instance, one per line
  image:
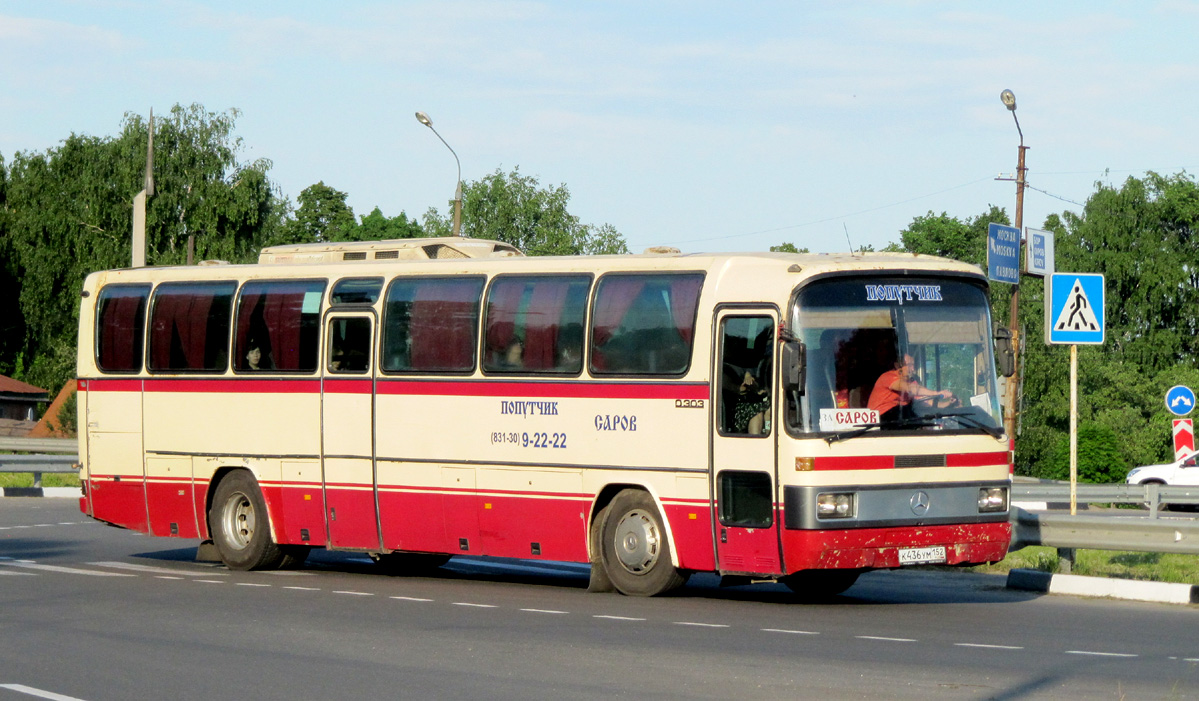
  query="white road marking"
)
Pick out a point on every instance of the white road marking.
point(1100, 654)
point(478, 606)
point(990, 647)
point(304, 588)
point(150, 569)
point(542, 611)
point(167, 576)
point(410, 598)
point(252, 584)
point(700, 625)
point(354, 593)
point(21, 574)
point(888, 640)
point(210, 581)
point(42, 693)
point(29, 564)
point(618, 618)
point(792, 632)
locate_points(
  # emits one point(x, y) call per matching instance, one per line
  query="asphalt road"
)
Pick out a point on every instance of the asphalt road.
point(91, 612)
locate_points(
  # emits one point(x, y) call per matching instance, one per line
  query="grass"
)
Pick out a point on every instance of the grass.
point(49, 479)
point(1152, 567)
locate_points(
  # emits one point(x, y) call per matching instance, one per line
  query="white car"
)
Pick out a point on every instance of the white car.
point(1182, 472)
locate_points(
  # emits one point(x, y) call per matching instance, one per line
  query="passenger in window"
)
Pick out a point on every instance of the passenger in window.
point(752, 407)
point(897, 389)
point(514, 355)
point(256, 357)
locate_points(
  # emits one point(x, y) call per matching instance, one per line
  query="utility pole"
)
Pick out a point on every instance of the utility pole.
point(1013, 385)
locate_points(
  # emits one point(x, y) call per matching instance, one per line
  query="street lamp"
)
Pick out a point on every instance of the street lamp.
point(424, 119)
point(1009, 417)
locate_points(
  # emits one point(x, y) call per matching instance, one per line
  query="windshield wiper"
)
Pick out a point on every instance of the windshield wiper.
point(969, 419)
point(858, 430)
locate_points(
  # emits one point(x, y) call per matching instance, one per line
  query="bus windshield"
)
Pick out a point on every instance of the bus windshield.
point(895, 354)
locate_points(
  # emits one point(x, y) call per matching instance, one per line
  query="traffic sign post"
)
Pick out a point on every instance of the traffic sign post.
point(1074, 314)
point(1003, 253)
point(1184, 438)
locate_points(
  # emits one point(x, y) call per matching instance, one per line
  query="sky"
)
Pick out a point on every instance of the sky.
point(709, 126)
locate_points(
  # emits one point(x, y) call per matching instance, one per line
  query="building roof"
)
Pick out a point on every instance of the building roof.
point(11, 386)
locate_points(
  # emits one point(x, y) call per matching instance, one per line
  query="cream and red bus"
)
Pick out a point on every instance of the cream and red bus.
point(653, 415)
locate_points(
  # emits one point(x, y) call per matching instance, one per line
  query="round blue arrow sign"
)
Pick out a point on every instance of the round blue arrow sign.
point(1180, 400)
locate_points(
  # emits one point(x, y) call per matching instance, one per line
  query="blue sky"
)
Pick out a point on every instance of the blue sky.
point(704, 125)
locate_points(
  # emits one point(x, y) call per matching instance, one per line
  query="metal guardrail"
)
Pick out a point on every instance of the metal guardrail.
point(1138, 534)
point(65, 459)
point(1152, 495)
point(40, 445)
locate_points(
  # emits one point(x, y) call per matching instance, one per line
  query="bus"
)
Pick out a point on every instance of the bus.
point(653, 415)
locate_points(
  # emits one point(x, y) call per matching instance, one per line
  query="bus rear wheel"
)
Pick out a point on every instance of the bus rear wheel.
point(241, 529)
point(634, 548)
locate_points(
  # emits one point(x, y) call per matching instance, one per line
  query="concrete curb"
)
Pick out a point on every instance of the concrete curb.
point(41, 492)
point(1075, 585)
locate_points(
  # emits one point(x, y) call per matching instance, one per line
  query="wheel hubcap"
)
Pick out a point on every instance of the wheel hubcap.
point(239, 520)
point(638, 544)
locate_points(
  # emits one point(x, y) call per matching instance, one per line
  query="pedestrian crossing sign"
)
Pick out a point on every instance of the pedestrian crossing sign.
point(1074, 306)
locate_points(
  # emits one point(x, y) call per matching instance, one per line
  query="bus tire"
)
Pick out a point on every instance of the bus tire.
point(240, 525)
point(634, 547)
point(818, 584)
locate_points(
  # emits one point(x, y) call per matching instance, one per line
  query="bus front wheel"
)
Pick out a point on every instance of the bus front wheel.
point(634, 547)
point(240, 527)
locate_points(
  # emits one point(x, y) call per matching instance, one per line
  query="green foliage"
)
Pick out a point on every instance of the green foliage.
point(323, 215)
point(68, 212)
point(1099, 456)
point(514, 208)
point(377, 227)
point(66, 420)
point(787, 247)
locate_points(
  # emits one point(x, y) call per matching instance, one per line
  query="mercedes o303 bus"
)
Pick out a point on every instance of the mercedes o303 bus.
point(653, 415)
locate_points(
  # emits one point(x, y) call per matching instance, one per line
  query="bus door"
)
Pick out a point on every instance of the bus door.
point(743, 471)
point(347, 431)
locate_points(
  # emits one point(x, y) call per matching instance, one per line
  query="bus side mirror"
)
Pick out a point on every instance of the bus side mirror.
point(795, 360)
point(1005, 354)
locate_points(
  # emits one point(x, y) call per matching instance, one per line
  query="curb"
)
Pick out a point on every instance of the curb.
point(1076, 585)
point(41, 492)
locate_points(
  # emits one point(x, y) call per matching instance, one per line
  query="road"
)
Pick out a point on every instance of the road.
point(91, 612)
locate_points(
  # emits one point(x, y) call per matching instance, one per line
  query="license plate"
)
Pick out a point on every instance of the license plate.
point(922, 556)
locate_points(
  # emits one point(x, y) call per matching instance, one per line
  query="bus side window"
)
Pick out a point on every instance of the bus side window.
point(349, 345)
point(431, 324)
point(121, 327)
point(189, 326)
point(534, 324)
point(644, 324)
point(277, 326)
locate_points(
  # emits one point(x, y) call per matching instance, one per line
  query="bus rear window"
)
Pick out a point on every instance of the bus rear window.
point(189, 326)
point(278, 324)
point(120, 327)
point(644, 324)
point(430, 324)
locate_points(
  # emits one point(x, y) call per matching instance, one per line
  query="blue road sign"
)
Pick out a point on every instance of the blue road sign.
point(1003, 253)
point(1038, 252)
point(1074, 308)
point(1180, 400)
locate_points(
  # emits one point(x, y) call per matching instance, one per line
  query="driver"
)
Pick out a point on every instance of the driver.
point(896, 389)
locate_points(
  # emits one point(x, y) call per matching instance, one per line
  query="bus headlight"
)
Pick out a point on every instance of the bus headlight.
point(834, 505)
point(992, 499)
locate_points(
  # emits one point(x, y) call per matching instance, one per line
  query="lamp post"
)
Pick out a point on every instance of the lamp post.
point(424, 119)
point(1009, 416)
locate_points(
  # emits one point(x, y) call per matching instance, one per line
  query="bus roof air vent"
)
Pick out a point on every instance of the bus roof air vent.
point(396, 249)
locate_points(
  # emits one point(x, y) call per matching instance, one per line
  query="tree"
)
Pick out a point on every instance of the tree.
point(68, 212)
point(323, 215)
point(513, 208)
point(378, 227)
point(787, 247)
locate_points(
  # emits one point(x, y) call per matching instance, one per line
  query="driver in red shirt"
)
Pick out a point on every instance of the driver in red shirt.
point(896, 389)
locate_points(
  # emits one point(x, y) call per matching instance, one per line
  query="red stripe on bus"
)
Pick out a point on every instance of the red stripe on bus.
point(587, 390)
point(886, 462)
point(976, 459)
point(425, 388)
point(110, 385)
